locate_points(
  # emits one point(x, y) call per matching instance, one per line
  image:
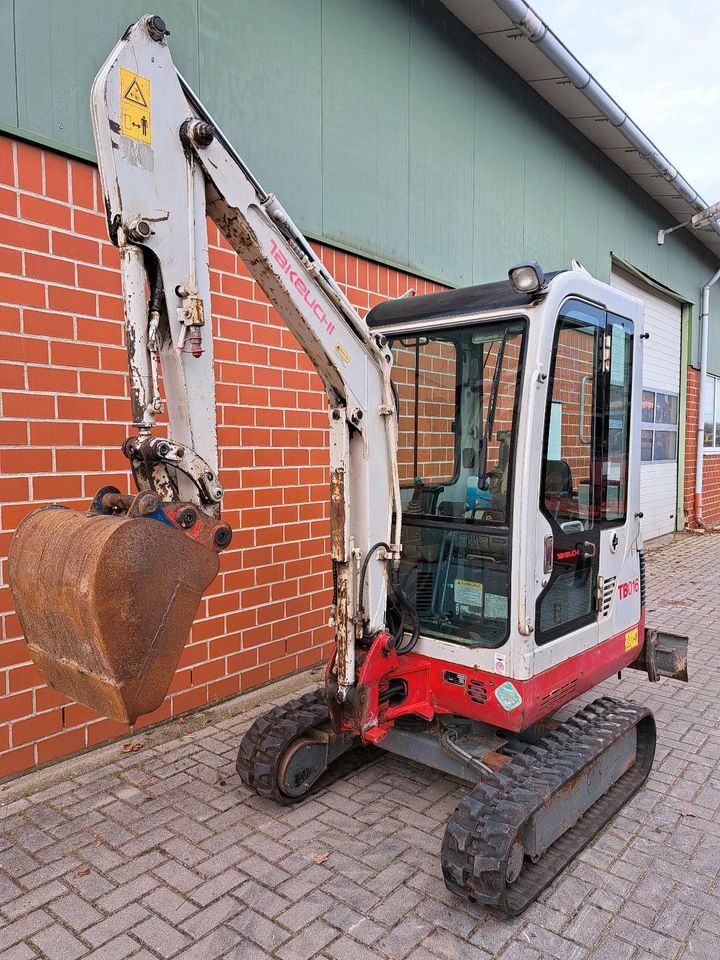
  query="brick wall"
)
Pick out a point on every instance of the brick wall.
point(711, 462)
point(64, 407)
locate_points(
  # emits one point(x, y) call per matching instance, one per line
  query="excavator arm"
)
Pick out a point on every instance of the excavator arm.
point(165, 168)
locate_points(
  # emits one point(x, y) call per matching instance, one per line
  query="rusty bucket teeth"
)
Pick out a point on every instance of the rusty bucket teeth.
point(106, 604)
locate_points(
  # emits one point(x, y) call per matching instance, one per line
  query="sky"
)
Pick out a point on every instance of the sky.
point(659, 60)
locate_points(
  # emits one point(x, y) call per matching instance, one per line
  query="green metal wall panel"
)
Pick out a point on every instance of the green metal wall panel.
point(60, 45)
point(384, 126)
point(260, 72)
point(499, 190)
point(441, 144)
point(8, 99)
point(365, 124)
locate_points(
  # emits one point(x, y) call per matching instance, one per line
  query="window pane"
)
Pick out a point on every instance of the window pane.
point(425, 374)
point(709, 411)
point(666, 408)
point(568, 473)
point(665, 445)
point(615, 468)
point(458, 392)
point(646, 445)
point(648, 406)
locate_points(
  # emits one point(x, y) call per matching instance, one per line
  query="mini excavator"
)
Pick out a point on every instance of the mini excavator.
point(485, 513)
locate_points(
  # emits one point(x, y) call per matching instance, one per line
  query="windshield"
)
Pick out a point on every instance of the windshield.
point(458, 398)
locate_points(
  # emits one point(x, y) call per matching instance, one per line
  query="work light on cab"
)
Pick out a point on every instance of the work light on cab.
point(527, 277)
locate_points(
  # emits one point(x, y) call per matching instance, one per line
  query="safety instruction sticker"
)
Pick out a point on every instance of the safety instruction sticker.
point(135, 106)
point(508, 697)
point(469, 593)
point(499, 663)
point(631, 638)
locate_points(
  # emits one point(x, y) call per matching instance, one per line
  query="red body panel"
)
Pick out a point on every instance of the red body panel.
point(476, 695)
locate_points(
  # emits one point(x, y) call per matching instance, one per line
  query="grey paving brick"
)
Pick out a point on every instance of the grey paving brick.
point(219, 943)
point(57, 943)
point(75, 912)
point(23, 927)
point(120, 922)
point(160, 936)
point(224, 883)
point(259, 929)
point(202, 921)
point(116, 949)
point(308, 943)
point(34, 900)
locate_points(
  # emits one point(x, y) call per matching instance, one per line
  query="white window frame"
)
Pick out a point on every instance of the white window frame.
point(647, 427)
point(714, 447)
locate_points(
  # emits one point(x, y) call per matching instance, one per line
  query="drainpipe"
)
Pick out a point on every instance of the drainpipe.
point(700, 454)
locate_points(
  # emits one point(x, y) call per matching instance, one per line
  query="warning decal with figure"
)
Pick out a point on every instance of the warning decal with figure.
point(134, 106)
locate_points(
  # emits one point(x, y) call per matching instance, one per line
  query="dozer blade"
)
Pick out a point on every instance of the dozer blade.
point(106, 604)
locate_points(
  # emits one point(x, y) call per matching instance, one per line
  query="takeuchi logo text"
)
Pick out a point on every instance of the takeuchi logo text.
point(302, 288)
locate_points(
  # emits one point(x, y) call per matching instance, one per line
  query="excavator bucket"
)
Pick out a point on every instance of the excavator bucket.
point(106, 604)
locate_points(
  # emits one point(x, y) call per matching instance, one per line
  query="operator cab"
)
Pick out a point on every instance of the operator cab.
point(462, 373)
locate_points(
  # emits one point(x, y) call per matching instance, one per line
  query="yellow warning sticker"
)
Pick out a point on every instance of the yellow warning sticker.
point(342, 353)
point(134, 106)
point(631, 638)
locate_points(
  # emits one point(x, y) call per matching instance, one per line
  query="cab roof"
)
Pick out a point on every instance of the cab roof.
point(450, 303)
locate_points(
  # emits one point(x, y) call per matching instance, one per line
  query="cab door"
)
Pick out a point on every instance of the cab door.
point(571, 476)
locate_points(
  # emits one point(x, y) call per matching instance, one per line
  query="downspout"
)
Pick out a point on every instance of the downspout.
point(700, 453)
point(537, 32)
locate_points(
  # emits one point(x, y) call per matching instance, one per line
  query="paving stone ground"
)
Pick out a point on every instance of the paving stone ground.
point(162, 853)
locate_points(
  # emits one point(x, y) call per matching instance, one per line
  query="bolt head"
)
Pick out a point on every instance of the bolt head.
point(222, 536)
point(156, 27)
point(187, 517)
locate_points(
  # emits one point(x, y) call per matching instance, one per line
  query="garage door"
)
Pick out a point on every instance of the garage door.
point(661, 406)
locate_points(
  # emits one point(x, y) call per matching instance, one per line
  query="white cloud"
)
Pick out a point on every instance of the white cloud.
point(658, 59)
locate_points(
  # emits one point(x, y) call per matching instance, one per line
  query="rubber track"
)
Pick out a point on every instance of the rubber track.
point(480, 834)
point(262, 747)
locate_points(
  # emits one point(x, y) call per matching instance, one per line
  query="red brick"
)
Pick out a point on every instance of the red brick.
point(45, 211)
point(51, 379)
point(56, 175)
point(44, 324)
point(16, 760)
point(38, 267)
point(16, 706)
point(93, 278)
point(28, 405)
point(71, 300)
point(12, 376)
point(29, 167)
point(73, 247)
point(15, 233)
point(83, 185)
point(33, 728)
point(61, 745)
point(90, 224)
point(25, 461)
point(7, 173)
point(24, 292)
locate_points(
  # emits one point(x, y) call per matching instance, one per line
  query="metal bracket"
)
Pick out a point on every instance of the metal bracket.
point(150, 458)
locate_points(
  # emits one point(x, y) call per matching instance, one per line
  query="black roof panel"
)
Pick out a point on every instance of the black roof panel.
point(450, 303)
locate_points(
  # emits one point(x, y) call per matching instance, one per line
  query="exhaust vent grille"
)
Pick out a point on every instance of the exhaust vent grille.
point(477, 691)
point(560, 695)
point(608, 594)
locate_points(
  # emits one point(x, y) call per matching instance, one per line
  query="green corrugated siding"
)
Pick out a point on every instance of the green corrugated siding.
point(384, 126)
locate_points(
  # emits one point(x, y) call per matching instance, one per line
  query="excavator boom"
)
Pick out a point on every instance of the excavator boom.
point(165, 168)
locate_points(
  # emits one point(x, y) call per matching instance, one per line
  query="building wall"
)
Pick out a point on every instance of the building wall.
point(64, 414)
point(385, 126)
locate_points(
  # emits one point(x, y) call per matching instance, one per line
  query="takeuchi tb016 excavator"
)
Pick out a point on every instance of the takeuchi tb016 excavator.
point(484, 508)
